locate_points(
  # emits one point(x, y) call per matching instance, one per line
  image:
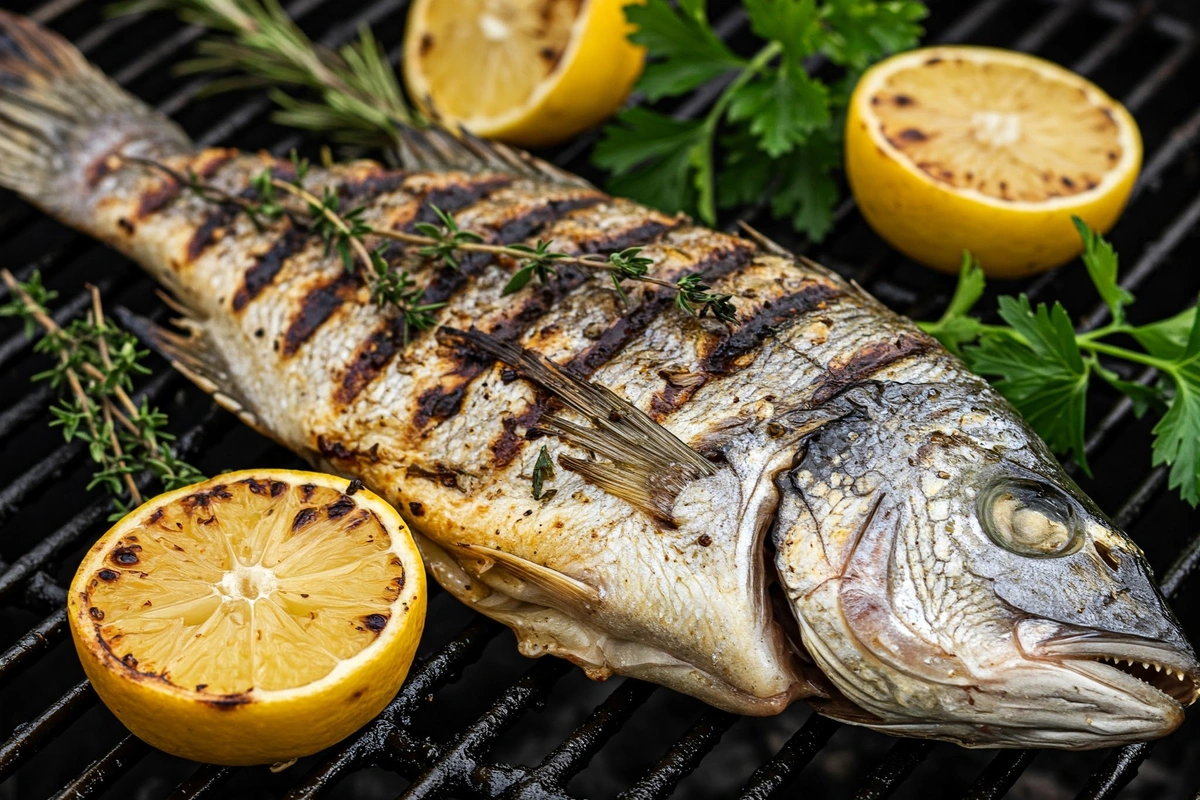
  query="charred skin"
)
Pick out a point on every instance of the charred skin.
point(443, 432)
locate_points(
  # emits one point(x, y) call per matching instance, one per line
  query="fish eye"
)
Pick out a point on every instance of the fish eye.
point(1031, 518)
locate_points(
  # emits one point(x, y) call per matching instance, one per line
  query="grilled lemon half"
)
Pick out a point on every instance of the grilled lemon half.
point(527, 72)
point(992, 151)
point(253, 618)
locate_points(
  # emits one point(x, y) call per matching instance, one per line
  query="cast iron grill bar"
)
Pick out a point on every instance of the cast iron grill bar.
point(1117, 771)
point(206, 780)
point(32, 736)
point(1000, 774)
point(683, 757)
point(557, 769)
point(1045, 28)
point(105, 770)
point(32, 646)
point(905, 756)
point(783, 768)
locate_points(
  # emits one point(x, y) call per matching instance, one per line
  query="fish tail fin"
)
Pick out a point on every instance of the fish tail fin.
point(61, 119)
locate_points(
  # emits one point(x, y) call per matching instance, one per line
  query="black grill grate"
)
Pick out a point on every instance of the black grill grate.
point(474, 718)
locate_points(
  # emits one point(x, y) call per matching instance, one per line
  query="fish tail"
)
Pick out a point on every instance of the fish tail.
point(61, 121)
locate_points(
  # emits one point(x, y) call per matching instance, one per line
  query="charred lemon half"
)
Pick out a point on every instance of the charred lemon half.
point(992, 151)
point(527, 72)
point(253, 618)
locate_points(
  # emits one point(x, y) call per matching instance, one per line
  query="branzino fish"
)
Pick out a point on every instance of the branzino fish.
point(817, 501)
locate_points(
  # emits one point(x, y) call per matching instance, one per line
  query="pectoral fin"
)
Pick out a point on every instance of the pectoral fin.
point(563, 589)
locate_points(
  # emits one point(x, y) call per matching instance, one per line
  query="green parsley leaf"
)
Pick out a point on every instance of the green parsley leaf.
point(956, 327)
point(1177, 434)
point(860, 31)
point(651, 157)
point(807, 191)
point(1166, 338)
point(782, 111)
point(1041, 371)
point(796, 24)
point(1101, 263)
point(685, 51)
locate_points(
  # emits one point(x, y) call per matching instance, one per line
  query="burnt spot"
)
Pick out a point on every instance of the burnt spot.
point(158, 198)
point(200, 687)
point(370, 359)
point(272, 488)
point(440, 474)
point(129, 660)
point(203, 500)
point(455, 197)
point(417, 509)
point(870, 359)
point(126, 555)
point(333, 449)
point(306, 491)
point(375, 183)
point(262, 272)
point(303, 517)
point(439, 404)
point(316, 308)
point(108, 575)
point(727, 356)
point(354, 487)
point(614, 339)
point(217, 219)
point(705, 540)
point(227, 702)
point(96, 614)
point(154, 518)
point(1067, 182)
point(375, 622)
point(509, 443)
point(340, 508)
point(910, 135)
point(933, 62)
point(101, 167)
point(126, 226)
point(426, 44)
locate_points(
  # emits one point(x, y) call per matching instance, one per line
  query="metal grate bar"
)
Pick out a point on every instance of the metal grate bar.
point(451, 771)
point(105, 770)
point(202, 783)
point(557, 769)
point(31, 737)
point(32, 645)
point(905, 756)
point(1115, 39)
point(1000, 774)
point(683, 757)
point(1045, 28)
point(774, 776)
point(1117, 771)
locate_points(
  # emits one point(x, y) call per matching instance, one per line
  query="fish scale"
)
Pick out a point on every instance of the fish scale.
point(749, 513)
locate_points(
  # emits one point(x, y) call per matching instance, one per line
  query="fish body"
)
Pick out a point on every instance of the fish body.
point(816, 501)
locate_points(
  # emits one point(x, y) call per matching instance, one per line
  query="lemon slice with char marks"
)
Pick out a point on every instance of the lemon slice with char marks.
point(987, 150)
point(257, 617)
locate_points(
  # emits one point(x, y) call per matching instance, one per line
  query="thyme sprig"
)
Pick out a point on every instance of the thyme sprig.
point(345, 232)
point(96, 362)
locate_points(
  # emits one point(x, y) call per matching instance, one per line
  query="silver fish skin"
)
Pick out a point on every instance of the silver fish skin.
point(817, 502)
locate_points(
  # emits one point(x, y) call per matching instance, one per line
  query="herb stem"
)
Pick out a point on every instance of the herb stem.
point(1127, 355)
point(707, 191)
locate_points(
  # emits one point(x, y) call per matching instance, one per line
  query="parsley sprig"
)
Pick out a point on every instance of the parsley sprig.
point(779, 124)
point(95, 364)
point(1044, 366)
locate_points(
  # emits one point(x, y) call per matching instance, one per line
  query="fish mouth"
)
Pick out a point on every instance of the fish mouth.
point(1105, 656)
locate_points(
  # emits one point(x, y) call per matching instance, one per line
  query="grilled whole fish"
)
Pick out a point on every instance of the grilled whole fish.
point(818, 501)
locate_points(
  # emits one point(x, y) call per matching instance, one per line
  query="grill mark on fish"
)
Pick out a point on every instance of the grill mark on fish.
point(377, 182)
point(866, 361)
point(455, 197)
point(162, 195)
point(442, 402)
point(448, 283)
point(262, 272)
point(440, 474)
point(715, 265)
point(736, 351)
point(509, 443)
point(317, 307)
point(381, 346)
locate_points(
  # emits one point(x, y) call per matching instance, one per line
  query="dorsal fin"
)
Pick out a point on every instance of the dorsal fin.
point(647, 464)
point(436, 148)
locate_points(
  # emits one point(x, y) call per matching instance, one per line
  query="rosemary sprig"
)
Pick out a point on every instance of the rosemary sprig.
point(95, 365)
point(345, 232)
point(357, 95)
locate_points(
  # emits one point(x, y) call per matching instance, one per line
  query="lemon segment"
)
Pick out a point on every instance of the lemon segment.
point(528, 72)
point(993, 151)
point(256, 617)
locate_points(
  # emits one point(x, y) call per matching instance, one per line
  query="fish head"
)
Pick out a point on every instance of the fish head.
point(953, 582)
